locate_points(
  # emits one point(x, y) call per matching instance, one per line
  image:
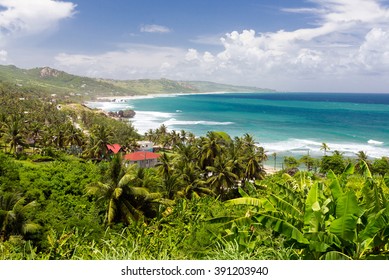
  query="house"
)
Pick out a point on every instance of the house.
point(114, 149)
point(145, 146)
point(144, 159)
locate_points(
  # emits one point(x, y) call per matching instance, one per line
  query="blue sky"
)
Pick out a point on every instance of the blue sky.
point(303, 45)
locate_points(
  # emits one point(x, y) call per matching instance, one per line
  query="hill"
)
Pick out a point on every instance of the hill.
point(48, 80)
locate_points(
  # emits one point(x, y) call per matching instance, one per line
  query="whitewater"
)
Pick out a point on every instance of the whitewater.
point(283, 123)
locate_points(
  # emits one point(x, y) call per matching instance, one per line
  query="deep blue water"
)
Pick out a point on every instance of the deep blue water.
point(293, 122)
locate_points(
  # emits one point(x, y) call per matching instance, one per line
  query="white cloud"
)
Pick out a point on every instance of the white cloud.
point(153, 28)
point(25, 17)
point(137, 61)
point(374, 52)
point(347, 49)
point(3, 55)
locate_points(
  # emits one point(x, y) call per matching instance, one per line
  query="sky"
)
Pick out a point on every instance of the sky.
point(302, 45)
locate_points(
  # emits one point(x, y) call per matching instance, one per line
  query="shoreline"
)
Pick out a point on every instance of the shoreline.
point(296, 147)
point(154, 95)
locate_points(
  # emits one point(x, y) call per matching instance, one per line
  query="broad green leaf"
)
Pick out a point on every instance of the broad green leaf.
point(349, 170)
point(249, 201)
point(380, 222)
point(313, 215)
point(345, 227)
point(282, 226)
point(335, 187)
point(286, 207)
point(347, 214)
point(348, 205)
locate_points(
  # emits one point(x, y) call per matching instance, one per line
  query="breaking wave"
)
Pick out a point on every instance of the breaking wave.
point(305, 146)
point(178, 122)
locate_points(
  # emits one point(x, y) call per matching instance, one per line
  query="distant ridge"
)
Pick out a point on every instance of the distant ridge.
point(50, 80)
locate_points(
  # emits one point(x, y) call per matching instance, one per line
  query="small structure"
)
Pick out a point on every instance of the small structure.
point(145, 146)
point(114, 149)
point(144, 159)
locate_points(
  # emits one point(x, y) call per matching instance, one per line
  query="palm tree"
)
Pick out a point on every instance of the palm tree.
point(103, 137)
point(254, 168)
point(183, 136)
point(191, 138)
point(222, 178)
point(362, 158)
point(193, 185)
point(13, 220)
point(212, 146)
point(123, 200)
point(150, 135)
point(324, 147)
point(74, 136)
point(13, 133)
point(275, 160)
point(174, 138)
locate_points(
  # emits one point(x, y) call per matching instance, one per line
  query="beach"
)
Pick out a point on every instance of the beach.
point(293, 124)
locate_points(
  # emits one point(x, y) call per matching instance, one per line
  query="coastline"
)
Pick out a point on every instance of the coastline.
point(288, 146)
point(154, 95)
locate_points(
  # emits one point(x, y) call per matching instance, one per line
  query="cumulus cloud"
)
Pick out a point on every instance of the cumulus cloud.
point(26, 17)
point(348, 41)
point(153, 28)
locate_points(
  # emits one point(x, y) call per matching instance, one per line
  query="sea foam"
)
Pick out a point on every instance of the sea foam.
point(314, 148)
point(172, 122)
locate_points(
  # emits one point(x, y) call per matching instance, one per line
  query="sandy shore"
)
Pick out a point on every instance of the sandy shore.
point(270, 169)
point(153, 95)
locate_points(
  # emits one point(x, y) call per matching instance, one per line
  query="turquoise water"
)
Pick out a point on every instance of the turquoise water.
point(292, 122)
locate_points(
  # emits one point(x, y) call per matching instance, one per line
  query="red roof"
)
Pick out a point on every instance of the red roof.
point(141, 155)
point(114, 148)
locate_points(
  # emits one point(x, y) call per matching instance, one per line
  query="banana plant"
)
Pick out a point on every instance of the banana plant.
point(330, 221)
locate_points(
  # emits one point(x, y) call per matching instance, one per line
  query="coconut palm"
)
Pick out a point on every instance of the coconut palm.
point(275, 160)
point(325, 148)
point(253, 166)
point(192, 185)
point(222, 179)
point(13, 133)
point(183, 136)
point(212, 146)
point(103, 137)
point(74, 136)
point(124, 201)
point(13, 220)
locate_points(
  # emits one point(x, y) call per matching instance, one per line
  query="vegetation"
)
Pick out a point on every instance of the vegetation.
point(49, 81)
point(64, 196)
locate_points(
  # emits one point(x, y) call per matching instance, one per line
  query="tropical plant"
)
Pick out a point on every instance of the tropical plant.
point(13, 216)
point(124, 202)
point(13, 132)
point(330, 221)
point(325, 148)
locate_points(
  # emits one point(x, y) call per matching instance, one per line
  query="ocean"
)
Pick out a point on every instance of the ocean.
point(283, 123)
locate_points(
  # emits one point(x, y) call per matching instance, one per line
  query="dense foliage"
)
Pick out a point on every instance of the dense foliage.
point(63, 196)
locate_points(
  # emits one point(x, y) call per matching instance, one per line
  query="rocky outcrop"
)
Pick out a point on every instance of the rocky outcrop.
point(127, 114)
point(47, 72)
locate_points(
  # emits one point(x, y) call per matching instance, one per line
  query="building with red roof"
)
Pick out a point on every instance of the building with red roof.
point(114, 148)
point(144, 159)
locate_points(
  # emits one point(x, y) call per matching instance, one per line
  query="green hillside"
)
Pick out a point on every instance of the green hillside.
point(51, 81)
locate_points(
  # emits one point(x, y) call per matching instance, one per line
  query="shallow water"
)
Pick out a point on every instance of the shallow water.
point(287, 123)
